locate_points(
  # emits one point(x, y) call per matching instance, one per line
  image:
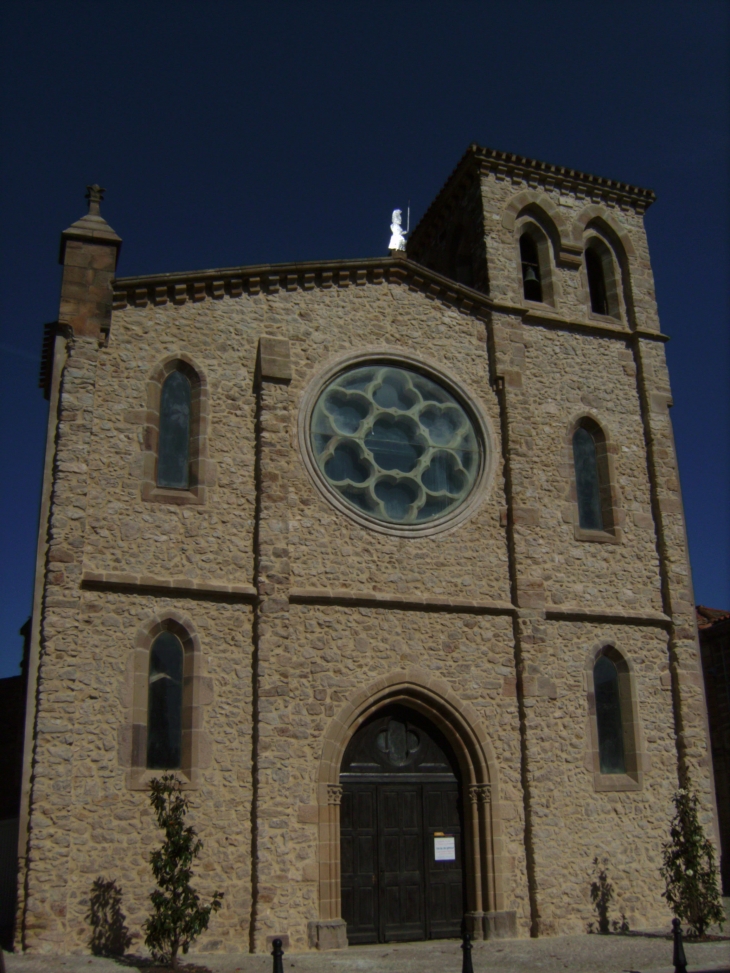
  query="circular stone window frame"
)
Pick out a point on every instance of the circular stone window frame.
point(474, 411)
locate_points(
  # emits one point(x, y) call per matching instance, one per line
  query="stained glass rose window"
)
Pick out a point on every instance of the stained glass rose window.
point(395, 444)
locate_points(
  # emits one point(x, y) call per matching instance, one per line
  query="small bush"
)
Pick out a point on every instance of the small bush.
point(109, 934)
point(689, 870)
point(177, 917)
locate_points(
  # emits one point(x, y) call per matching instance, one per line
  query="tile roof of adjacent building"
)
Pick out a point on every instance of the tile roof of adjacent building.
point(707, 617)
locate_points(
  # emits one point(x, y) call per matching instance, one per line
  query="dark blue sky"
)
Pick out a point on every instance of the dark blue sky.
point(235, 133)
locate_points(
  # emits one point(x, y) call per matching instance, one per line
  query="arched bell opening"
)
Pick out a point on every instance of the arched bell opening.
point(455, 728)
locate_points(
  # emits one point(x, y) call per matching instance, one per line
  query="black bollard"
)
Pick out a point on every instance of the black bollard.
point(679, 959)
point(278, 953)
point(466, 964)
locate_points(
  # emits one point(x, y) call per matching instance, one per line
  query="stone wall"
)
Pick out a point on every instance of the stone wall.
point(86, 819)
point(295, 608)
point(572, 822)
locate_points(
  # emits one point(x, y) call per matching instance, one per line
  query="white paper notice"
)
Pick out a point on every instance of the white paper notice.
point(444, 849)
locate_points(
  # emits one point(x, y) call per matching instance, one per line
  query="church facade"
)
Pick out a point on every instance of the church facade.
point(385, 559)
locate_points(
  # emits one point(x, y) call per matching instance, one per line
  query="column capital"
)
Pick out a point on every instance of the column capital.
point(480, 793)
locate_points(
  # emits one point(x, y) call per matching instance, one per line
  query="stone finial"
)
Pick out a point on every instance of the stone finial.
point(95, 194)
point(92, 227)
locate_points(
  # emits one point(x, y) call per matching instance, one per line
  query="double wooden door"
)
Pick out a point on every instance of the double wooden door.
point(394, 885)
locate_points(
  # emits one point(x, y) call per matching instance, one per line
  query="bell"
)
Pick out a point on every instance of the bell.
point(531, 276)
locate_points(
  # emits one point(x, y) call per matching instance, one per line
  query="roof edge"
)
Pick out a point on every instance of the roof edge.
point(272, 278)
point(248, 270)
point(197, 286)
point(520, 168)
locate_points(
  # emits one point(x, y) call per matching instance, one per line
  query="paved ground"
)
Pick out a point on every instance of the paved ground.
point(558, 954)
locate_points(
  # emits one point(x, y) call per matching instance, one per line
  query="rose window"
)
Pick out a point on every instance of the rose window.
point(394, 444)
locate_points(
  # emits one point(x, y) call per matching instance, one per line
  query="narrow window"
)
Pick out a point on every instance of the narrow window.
point(164, 703)
point(531, 283)
point(173, 462)
point(608, 717)
point(596, 281)
point(587, 482)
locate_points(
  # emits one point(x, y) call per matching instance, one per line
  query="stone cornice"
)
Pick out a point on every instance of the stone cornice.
point(518, 168)
point(141, 584)
point(196, 286)
point(608, 616)
point(144, 584)
point(550, 319)
point(534, 174)
point(383, 599)
point(233, 282)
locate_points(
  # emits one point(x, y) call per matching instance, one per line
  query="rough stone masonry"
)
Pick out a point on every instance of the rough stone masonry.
point(302, 616)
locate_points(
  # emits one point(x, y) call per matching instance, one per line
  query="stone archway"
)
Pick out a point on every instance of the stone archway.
point(460, 725)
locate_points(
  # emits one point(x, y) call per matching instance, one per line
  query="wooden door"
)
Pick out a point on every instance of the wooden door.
point(444, 874)
point(401, 877)
point(359, 857)
point(401, 794)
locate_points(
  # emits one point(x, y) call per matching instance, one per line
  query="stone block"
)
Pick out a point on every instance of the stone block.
point(327, 934)
point(500, 925)
point(275, 359)
point(527, 516)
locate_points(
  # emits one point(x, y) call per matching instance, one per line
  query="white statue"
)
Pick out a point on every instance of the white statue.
point(397, 239)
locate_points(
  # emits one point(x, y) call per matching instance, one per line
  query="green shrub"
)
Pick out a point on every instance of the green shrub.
point(689, 870)
point(177, 917)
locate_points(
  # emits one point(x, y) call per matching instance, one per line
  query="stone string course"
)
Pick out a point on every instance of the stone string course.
point(297, 608)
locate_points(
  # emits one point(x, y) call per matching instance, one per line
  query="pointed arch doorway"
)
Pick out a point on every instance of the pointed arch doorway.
point(401, 831)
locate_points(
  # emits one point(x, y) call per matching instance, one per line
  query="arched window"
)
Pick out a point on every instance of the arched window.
point(531, 276)
point(176, 468)
point(617, 754)
point(587, 481)
point(601, 279)
point(596, 282)
point(164, 703)
point(609, 718)
point(173, 461)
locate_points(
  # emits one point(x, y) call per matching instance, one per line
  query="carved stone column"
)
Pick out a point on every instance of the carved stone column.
point(498, 923)
point(330, 930)
point(475, 916)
